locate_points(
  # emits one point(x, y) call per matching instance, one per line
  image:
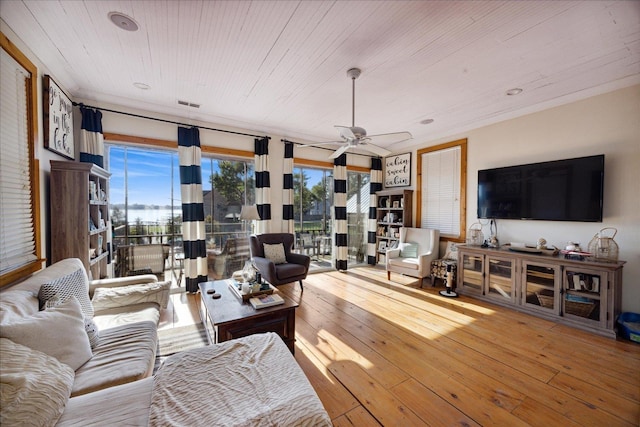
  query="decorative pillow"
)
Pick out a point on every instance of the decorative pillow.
point(34, 387)
point(275, 253)
point(452, 251)
point(16, 304)
point(76, 284)
point(58, 332)
point(121, 296)
point(90, 326)
point(409, 250)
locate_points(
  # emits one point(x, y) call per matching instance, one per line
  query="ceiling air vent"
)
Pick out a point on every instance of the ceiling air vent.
point(189, 104)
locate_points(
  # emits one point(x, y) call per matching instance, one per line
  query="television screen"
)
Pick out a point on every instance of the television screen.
point(561, 190)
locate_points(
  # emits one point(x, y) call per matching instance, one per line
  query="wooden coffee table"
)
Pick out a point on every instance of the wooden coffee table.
point(228, 317)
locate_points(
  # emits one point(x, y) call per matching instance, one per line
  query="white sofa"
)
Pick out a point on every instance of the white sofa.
point(413, 256)
point(124, 311)
point(257, 374)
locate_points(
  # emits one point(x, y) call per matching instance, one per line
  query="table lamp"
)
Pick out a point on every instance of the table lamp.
point(249, 213)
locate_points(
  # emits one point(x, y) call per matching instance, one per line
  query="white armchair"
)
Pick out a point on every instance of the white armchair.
point(413, 256)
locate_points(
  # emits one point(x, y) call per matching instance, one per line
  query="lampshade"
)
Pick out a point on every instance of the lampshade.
point(249, 212)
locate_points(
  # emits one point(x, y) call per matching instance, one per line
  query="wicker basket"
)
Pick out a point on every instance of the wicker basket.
point(576, 308)
point(579, 308)
point(545, 298)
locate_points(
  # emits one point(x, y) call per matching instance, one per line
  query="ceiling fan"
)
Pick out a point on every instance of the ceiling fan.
point(355, 136)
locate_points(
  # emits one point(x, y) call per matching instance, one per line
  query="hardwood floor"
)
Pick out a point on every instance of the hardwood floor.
point(390, 353)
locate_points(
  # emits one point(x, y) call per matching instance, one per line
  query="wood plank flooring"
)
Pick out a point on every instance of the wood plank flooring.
point(390, 353)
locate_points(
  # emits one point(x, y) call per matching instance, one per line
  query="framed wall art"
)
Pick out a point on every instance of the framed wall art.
point(58, 119)
point(397, 170)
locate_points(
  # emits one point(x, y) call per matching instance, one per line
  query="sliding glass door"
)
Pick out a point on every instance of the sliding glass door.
point(357, 217)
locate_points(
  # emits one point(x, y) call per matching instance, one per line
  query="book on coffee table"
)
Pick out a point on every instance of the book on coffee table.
point(266, 301)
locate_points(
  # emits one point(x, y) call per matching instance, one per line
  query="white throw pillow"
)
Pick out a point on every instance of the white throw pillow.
point(121, 296)
point(90, 326)
point(409, 250)
point(452, 251)
point(76, 284)
point(58, 332)
point(34, 387)
point(275, 253)
point(16, 304)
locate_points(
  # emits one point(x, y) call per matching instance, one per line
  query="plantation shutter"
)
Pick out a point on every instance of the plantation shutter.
point(441, 191)
point(17, 236)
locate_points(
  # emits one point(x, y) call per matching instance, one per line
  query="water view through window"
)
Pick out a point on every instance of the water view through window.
point(146, 204)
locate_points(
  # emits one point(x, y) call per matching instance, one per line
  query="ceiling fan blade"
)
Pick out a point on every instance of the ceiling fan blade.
point(390, 138)
point(339, 151)
point(382, 152)
point(345, 132)
point(317, 144)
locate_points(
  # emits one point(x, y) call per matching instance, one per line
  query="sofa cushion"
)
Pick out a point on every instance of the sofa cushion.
point(57, 331)
point(409, 263)
point(275, 253)
point(34, 387)
point(16, 304)
point(122, 296)
point(118, 316)
point(75, 283)
point(124, 354)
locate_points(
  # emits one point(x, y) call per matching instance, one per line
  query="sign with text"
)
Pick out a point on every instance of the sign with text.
point(58, 119)
point(397, 170)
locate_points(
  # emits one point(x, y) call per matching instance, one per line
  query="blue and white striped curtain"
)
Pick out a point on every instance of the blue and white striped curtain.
point(287, 189)
point(340, 210)
point(91, 137)
point(193, 230)
point(375, 185)
point(263, 185)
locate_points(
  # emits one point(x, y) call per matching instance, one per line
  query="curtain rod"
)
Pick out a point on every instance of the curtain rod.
point(329, 149)
point(76, 104)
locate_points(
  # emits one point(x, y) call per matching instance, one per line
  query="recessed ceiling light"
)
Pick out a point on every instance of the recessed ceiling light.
point(426, 121)
point(514, 91)
point(123, 21)
point(142, 86)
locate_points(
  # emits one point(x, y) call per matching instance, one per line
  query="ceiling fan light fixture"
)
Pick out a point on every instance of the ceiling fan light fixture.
point(123, 21)
point(513, 92)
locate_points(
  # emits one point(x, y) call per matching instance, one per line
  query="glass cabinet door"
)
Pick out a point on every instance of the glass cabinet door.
point(500, 279)
point(539, 287)
point(582, 294)
point(471, 273)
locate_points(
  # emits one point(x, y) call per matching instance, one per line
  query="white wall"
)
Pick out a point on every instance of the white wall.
point(607, 124)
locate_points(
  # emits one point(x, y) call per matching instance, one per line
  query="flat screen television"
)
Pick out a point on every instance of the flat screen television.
point(560, 190)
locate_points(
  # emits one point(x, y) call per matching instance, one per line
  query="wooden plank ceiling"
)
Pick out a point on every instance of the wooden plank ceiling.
point(280, 66)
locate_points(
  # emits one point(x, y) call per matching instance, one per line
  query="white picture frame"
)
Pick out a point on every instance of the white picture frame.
point(397, 170)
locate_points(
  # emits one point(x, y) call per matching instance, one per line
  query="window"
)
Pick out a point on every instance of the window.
point(19, 189)
point(146, 200)
point(441, 186)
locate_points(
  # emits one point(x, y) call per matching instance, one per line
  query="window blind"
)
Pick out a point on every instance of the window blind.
point(441, 191)
point(17, 234)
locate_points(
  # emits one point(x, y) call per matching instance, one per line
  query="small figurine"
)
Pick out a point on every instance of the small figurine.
point(542, 243)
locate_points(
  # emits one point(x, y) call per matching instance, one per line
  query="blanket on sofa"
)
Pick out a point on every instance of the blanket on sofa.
point(251, 381)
